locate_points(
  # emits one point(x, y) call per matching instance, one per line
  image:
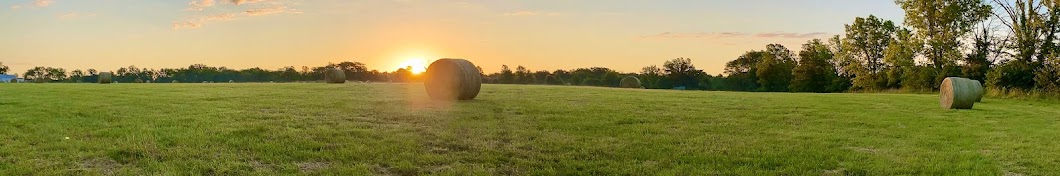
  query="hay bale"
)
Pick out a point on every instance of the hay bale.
point(630, 82)
point(334, 76)
point(958, 93)
point(138, 80)
point(452, 79)
point(231, 81)
point(13, 81)
point(106, 77)
point(175, 81)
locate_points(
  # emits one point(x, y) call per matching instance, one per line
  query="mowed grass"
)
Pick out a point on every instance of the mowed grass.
point(394, 129)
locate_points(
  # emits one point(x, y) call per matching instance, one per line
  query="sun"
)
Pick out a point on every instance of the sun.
point(419, 65)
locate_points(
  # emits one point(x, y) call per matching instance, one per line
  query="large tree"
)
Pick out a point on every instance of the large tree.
point(742, 72)
point(863, 48)
point(774, 70)
point(682, 72)
point(815, 70)
point(941, 23)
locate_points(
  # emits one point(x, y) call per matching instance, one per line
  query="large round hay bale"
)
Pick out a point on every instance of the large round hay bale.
point(106, 77)
point(13, 81)
point(630, 82)
point(958, 93)
point(452, 79)
point(334, 76)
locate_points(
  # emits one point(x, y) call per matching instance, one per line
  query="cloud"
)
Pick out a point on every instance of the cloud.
point(230, 10)
point(532, 13)
point(790, 35)
point(42, 3)
point(266, 11)
point(671, 35)
point(34, 3)
point(75, 15)
point(200, 5)
point(240, 2)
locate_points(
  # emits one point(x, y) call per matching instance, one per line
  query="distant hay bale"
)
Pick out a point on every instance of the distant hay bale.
point(452, 79)
point(958, 93)
point(630, 82)
point(175, 81)
point(231, 81)
point(13, 81)
point(334, 76)
point(138, 80)
point(148, 81)
point(106, 77)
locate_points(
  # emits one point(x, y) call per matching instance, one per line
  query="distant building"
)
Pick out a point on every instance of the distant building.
point(7, 78)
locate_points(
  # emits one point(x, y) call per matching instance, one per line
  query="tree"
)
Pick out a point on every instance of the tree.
point(36, 73)
point(863, 47)
point(651, 76)
point(77, 75)
point(3, 68)
point(899, 58)
point(523, 75)
point(1032, 27)
point(977, 63)
point(743, 71)
point(682, 72)
point(815, 70)
point(506, 76)
point(941, 24)
point(774, 70)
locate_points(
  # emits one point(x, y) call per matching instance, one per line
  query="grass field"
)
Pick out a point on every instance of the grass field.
point(393, 129)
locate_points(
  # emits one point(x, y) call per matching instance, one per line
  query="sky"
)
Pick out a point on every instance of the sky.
point(624, 35)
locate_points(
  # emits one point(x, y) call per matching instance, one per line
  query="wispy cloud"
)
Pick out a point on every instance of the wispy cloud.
point(696, 35)
point(712, 35)
point(34, 3)
point(230, 10)
point(791, 35)
point(532, 13)
point(75, 15)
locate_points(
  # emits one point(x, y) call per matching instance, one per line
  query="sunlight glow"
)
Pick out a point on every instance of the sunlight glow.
point(419, 65)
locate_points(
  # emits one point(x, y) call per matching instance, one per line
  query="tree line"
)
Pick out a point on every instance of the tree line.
point(196, 73)
point(1006, 44)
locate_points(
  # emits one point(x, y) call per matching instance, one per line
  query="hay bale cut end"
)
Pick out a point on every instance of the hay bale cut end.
point(452, 79)
point(334, 76)
point(630, 82)
point(106, 77)
point(958, 93)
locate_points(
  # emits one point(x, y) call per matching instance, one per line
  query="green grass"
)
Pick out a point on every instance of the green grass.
point(393, 129)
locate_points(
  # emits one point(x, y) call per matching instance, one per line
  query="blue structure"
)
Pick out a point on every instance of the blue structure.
point(7, 78)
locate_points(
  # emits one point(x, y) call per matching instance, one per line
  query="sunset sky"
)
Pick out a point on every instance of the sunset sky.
point(384, 34)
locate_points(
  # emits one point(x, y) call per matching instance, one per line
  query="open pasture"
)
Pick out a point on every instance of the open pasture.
point(394, 129)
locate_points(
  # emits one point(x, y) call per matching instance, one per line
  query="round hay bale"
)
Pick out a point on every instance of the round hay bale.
point(106, 77)
point(630, 82)
point(13, 81)
point(452, 79)
point(175, 81)
point(957, 93)
point(334, 76)
point(138, 80)
point(231, 81)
